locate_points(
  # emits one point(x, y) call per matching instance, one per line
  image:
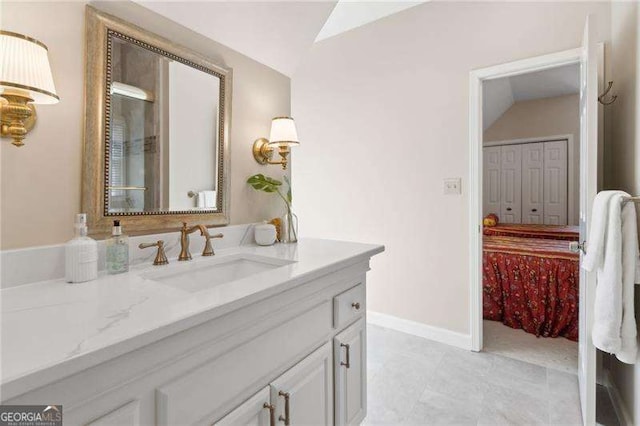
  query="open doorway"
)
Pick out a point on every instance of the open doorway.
point(530, 205)
point(590, 58)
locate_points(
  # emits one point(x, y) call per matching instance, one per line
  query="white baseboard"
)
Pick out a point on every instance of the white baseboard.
point(618, 404)
point(438, 334)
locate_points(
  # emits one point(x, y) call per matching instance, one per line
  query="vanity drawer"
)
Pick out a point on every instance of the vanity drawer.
point(207, 393)
point(349, 305)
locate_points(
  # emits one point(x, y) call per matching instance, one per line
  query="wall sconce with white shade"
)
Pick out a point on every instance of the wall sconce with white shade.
point(25, 79)
point(283, 135)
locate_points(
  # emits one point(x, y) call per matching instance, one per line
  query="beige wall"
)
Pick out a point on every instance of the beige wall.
point(622, 156)
point(40, 182)
point(383, 115)
point(559, 115)
point(555, 116)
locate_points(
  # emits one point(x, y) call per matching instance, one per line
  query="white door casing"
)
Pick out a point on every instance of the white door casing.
point(476, 78)
point(491, 181)
point(532, 183)
point(511, 184)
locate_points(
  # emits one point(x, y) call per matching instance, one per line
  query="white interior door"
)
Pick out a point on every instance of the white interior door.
point(555, 183)
point(588, 187)
point(511, 184)
point(533, 183)
point(491, 181)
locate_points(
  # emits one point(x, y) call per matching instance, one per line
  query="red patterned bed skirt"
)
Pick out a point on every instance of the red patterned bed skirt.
point(531, 284)
point(553, 232)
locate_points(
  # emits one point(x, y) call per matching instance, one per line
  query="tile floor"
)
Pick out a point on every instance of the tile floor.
point(556, 353)
point(415, 381)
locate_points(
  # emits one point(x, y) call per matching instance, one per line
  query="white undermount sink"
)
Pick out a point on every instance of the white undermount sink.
point(206, 274)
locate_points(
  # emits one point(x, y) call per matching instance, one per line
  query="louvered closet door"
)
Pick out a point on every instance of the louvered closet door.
point(533, 183)
point(555, 183)
point(491, 181)
point(511, 184)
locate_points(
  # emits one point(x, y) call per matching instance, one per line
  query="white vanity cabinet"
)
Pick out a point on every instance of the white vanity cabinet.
point(350, 369)
point(257, 411)
point(301, 396)
point(304, 394)
point(286, 350)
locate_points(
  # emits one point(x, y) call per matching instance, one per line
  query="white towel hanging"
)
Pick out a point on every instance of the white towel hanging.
point(613, 251)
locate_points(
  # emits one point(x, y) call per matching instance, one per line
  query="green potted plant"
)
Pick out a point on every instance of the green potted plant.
point(289, 224)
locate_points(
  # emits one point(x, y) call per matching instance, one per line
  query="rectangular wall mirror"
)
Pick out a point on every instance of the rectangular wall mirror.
point(157, 130)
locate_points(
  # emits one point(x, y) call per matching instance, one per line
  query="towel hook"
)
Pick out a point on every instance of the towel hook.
point(605, 93)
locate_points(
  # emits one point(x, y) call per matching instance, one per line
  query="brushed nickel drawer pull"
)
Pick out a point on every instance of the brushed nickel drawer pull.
point(272, 413)
point(356, 305)
point(286, 419)
point(346, 364)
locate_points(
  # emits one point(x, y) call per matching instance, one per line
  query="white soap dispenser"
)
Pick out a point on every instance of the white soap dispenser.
point(81, 254)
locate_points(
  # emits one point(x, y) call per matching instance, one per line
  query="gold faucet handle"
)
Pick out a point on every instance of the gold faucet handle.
point(161, 257)
point(208, 248)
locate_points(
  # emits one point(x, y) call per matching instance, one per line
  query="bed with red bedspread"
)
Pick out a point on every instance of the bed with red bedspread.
point(531, 284)
point(553, 232)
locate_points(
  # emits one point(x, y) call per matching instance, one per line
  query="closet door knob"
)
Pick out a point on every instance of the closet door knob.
point(509, 209)
point(534, 210)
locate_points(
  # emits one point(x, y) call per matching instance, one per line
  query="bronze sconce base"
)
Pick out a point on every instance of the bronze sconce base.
point(17, 117)
point(263, 153)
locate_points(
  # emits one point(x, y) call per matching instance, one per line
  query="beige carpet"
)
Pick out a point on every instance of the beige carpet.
point(556, 353)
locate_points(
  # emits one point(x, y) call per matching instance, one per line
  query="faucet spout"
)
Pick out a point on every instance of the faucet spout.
point(185, 254)
point(184, 240)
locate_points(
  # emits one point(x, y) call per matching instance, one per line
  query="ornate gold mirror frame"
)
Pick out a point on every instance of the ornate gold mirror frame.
point(95, 161)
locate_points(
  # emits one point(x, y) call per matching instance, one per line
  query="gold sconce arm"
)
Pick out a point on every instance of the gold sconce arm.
point(263, 153)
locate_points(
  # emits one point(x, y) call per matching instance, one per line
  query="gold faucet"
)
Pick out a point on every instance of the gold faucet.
point(161, 257)
point(184, 240)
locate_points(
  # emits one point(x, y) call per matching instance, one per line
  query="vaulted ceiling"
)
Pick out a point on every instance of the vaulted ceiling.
point(275, 33)
point(500, 94)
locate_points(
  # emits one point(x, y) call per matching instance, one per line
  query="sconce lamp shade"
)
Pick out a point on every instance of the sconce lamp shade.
point(24, 68)
point(283, 132)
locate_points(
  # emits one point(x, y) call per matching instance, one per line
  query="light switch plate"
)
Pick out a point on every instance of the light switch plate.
point(453, 186)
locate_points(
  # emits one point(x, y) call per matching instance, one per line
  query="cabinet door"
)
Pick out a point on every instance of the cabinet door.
point(350, 366)
point(555, 183)
point(304, 394)
point(532, 183)
point(491, 181)
point(255, 411)
point(511, 184)
point(127, 415)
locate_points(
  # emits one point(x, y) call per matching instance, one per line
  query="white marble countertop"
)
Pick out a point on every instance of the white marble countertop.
point(52, 329)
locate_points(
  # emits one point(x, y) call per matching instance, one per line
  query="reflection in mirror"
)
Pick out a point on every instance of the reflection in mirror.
point(163, 136)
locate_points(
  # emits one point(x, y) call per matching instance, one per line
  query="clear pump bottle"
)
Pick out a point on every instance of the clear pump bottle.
point(117, 250)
